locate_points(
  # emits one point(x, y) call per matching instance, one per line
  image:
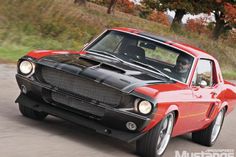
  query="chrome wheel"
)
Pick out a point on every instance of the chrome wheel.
point(217, 126)
point(165, 134)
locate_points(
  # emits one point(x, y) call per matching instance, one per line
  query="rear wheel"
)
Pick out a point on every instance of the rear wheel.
point(155, 142)
point(209, 135)
point(30, 113)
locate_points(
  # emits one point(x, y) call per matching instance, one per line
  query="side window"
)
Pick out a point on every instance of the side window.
point(203, 72)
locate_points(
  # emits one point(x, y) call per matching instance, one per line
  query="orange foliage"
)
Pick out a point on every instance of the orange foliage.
point(160, 17)
point(126, 6)
point(197, 25)
point(230, 13)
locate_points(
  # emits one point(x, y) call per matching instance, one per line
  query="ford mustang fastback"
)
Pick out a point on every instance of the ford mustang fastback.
point(130, 85)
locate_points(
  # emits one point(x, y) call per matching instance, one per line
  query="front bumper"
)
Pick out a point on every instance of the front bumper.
point(105, 120)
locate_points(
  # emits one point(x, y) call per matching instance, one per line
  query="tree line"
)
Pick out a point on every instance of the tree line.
point(224, 11)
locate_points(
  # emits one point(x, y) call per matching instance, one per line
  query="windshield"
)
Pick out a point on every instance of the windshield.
point(137, 49)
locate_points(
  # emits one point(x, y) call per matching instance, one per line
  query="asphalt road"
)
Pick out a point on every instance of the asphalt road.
point(22, 137)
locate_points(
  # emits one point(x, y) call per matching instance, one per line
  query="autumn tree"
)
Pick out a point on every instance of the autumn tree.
point(147, 7)
point(180, 7)
point(230, 13)
point(198, 25)
point(224, 12)
point(225, 17)
point(111, 6)
point(159, 17)
point(126, 6)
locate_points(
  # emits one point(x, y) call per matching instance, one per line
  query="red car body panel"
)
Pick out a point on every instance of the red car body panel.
point(192, 111)
point(130, 30)
point(37, 54)
point(193, 105)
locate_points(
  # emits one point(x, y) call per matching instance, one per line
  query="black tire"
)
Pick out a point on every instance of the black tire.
point(204, 137)
point(147, 145)
point(30, 113)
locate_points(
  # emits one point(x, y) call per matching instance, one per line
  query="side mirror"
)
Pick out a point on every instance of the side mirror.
point(203, 84)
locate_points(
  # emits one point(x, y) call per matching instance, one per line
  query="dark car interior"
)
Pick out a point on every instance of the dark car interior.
point(133, 48)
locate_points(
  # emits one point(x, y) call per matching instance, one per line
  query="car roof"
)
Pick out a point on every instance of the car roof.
point(194, 51)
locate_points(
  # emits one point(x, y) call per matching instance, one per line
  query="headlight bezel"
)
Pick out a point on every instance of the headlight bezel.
point(22, 71)
point(139, 102)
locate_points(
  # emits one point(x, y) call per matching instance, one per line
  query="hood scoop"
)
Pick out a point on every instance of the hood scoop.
point(87, 62)
point(113, 68)
point(74, 60)
point(143, 76)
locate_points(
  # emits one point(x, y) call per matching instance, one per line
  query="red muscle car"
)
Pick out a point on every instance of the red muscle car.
point(130, 85)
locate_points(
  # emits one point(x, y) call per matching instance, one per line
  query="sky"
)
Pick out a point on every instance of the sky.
point(189, 16)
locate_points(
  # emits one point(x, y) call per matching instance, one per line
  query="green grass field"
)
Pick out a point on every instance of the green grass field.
point(59, 24)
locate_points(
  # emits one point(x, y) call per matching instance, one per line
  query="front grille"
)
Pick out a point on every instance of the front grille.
point(81, 86)
point(78, 104)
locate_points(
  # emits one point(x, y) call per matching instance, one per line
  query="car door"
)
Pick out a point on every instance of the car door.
point(205, 89)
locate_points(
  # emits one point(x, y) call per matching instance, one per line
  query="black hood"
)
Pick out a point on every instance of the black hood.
point(122, 76)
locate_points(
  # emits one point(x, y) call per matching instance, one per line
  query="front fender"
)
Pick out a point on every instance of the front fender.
point(224, 104)
point(162, 111)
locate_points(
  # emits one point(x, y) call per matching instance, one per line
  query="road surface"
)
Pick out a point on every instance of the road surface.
point(22, 137)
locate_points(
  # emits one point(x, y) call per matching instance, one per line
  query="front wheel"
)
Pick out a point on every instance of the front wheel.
point(155, 142)
point(209, 135)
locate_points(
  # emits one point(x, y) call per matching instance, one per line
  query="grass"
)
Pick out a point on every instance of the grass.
point(59, 24)
point(230, 75)
point(12, 52)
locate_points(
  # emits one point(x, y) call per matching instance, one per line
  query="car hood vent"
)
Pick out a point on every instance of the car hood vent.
point(88, 62)
point(74, 60)
point(112, 68)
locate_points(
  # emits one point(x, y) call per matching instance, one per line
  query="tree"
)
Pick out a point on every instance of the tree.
point(223, 10)
point(111, 6)
point(230, 13)
point(126, 6)
point(159, 17)
point(181, 7)
point(225, 17)
point(198, 25)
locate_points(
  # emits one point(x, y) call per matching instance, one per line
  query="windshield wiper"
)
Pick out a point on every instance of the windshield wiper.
point(104, 53)
point(152, 68)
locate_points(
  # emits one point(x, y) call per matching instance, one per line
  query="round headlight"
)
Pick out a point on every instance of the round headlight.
point(26, 67)
point(144, 107)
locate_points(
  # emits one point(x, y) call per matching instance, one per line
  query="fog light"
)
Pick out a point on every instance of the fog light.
point(24, 89)
point(131, 126)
